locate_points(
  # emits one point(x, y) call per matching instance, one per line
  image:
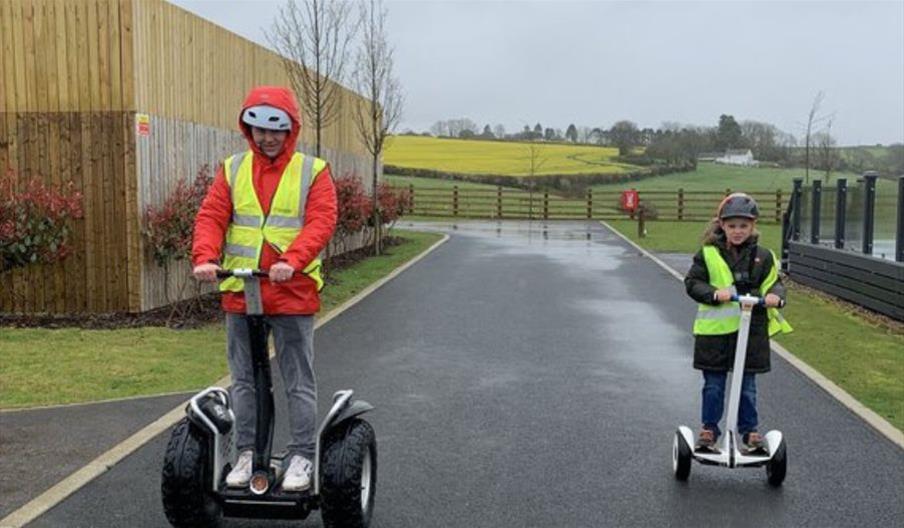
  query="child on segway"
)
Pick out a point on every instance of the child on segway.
point(731, 262)
point(274, 209)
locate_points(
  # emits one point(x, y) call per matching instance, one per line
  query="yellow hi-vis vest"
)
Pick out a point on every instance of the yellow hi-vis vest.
point(725, 318)
point(250, 228)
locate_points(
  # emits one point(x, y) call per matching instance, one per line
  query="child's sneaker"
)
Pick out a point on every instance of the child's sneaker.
point(706, 441)
point(753, 442)
point(241, 473)
point(298, 475)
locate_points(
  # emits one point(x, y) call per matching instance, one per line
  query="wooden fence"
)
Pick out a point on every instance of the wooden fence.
point(505, 202)
point(77, 75)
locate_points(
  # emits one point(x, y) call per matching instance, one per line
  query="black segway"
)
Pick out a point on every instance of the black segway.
point(201, 450)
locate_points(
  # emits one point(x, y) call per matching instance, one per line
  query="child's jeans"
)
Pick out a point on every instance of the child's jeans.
point(714, 401)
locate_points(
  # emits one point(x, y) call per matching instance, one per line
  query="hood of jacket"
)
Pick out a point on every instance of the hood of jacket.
point(278, 97)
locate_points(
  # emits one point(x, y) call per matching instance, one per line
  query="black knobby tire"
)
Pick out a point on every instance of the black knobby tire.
point(777, 467)
point(186, 477)
point(681, 457)
point(343, 457)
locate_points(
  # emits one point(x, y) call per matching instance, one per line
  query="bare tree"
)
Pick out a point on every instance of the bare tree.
point(313, 40)
point(827, 150)
point(813, 119)
point(381, 108)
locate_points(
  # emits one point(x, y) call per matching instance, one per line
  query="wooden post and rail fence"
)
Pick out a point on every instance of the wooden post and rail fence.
point(518, 204)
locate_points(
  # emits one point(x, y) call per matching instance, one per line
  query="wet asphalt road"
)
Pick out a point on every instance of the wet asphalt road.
point(524, 380)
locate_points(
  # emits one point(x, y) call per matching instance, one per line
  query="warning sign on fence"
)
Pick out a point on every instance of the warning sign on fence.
point(143, 124)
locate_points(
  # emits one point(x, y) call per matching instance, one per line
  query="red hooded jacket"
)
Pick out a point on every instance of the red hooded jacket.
point(298, 295)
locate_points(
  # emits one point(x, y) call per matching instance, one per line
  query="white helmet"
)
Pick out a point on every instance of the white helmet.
point(269, 117)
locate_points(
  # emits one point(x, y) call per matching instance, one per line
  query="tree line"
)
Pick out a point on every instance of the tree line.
point(675, 143)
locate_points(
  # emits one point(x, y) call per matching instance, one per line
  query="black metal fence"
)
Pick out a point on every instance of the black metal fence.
point(848, 240)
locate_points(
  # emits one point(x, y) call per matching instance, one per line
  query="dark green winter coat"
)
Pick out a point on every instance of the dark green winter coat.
point(749, 264)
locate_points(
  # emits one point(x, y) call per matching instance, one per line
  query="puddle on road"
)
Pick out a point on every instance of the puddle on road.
point(582, 246)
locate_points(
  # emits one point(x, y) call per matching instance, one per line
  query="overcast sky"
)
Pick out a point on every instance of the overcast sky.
point(593, 63)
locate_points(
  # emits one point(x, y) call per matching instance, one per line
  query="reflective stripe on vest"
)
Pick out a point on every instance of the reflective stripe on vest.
point(250, 228)
point(725, 318)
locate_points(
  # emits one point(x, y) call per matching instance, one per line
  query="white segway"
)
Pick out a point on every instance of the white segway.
point(774, 455)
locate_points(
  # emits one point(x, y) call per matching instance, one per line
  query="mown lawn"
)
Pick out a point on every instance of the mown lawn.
point(501, 157)
point(685, 237)
point(47, 367)
point(863, 357)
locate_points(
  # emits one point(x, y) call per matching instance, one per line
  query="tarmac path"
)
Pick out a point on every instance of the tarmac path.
point(531, 376)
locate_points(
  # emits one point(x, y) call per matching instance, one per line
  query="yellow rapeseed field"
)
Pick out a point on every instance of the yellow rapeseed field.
point(500, 157)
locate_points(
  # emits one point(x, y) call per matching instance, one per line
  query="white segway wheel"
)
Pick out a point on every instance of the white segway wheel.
point(349, 476)
point(777, 467)
point(681, 457)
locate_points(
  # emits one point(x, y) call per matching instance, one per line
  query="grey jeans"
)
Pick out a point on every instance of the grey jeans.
point(293, 336)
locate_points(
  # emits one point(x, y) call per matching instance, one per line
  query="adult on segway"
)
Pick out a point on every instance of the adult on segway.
point(274, 209)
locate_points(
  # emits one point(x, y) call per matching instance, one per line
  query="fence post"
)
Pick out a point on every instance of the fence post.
point(410, 198)
point(795, 208)
point(455, 200)
point(680, 204)
point(590, 203)
point(545, 205)
point(899, 241)
point(840, 212)
point(778, 206)
point(641, 228)
point(815, 209)
point(498, 201)
point(869, 210)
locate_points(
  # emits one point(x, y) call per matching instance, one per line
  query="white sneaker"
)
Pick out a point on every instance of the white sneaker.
point(298, 476)
point(241, 473)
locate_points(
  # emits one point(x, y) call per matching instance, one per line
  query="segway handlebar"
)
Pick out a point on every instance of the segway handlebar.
point(753, 300)
point(241, 273)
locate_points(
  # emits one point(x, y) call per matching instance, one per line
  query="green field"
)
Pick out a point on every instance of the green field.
point(501, 157)
point(715, 177)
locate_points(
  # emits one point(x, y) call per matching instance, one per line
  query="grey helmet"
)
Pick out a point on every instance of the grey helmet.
point(739, 205)
point(269, 117)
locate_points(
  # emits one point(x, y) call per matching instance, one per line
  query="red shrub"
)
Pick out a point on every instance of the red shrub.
point(35, 221)
point(354, 205)
point(168, 227)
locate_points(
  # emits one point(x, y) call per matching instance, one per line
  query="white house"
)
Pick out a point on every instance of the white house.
point(737, 157)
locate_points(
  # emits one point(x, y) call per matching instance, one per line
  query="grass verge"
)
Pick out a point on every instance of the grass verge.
point(48, 367)
point(862, 356)
point(684, 237)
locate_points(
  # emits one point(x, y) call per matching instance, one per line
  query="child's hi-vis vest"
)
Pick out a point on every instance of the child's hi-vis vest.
point(250, 228)
point(725, 318)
